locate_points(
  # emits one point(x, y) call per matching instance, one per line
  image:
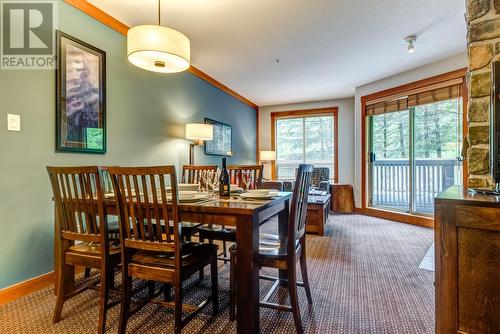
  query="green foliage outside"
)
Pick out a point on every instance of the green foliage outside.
point(437, 132)
point(299, 140)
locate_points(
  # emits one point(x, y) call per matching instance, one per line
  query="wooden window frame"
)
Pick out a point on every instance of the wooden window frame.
point(399, 90)
point(304, 113)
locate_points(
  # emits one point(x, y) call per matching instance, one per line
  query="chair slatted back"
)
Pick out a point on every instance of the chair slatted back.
point(298, 207)
point(79, 196)
point(238, 172)
point(145, 219)
point(106, 183)
point(192, 173)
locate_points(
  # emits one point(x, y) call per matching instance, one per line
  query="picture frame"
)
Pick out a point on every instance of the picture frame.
point(222, 142)
point(80, 96)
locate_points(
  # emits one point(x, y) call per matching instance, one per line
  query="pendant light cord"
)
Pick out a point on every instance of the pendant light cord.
point(159, 12)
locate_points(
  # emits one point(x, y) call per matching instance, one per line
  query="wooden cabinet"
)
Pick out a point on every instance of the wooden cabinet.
point(318, 209)
point(342, 200)
point(467, 239)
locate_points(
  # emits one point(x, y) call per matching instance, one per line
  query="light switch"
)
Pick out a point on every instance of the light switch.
point(13, 122)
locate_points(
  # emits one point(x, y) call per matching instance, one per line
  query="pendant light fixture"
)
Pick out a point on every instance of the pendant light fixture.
point(157, 48)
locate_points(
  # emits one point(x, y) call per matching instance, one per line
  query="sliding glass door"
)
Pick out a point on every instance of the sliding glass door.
point(415, 149)
point(437, 151)
point(390, 160)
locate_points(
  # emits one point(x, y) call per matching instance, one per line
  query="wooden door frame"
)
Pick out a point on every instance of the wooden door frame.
point(304, 113)
point(415, 219)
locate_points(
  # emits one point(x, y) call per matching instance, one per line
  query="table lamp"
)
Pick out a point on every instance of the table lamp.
point(198, 132)
point(266, 157)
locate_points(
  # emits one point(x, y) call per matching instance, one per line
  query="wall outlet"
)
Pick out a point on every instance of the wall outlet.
point(13, 122)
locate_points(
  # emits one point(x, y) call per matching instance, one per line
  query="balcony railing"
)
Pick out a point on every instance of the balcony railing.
point(391, 182)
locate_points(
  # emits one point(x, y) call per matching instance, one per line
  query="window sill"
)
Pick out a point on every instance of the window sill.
point(401, 217)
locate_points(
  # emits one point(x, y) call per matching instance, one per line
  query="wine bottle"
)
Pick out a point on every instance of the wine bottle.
point(224, 182)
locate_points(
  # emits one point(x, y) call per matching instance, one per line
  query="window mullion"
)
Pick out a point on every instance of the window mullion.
point(303, 140)
point(411, 157)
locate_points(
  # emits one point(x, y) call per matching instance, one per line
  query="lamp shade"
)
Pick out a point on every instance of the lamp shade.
point(159, 49)
point(267, 155)
point(198, 131)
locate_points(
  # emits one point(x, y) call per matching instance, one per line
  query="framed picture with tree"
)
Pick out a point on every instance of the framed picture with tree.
point(80, 96)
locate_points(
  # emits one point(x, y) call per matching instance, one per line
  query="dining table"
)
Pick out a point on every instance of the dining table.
point(246, 215)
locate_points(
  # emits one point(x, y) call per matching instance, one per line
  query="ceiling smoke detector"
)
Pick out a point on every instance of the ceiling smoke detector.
point(410, 40)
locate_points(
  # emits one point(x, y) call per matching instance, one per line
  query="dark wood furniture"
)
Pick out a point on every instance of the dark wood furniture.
point(151, 242)
point(246, 216)
point(107, 187)
point(342, 200)
point(82, 217)
point(236, 173)
point(318, 210)
point(272, 185)
point(222, 233)
point(192, 173)
point(467, 241)
point(283, 252)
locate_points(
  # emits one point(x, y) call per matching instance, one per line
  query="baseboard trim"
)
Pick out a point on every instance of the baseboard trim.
point(400, 217)
point(25, 288)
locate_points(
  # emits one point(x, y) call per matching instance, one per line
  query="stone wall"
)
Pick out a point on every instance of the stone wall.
point(483, 39)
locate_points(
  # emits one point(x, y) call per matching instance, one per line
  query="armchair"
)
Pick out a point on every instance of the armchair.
point(320, 180)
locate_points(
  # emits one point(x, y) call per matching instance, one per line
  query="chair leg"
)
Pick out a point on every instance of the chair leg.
point(215, 286)
point(167, 292)
point(224, 251)
point(202, 271)
point(126, 297)
point(151, 289)
point(201, 275)
point(111, 277)
point(232, 287)
point(103, 300)
point(178, 307)
point(292, 288)
point(60, 294)
point(305, 278)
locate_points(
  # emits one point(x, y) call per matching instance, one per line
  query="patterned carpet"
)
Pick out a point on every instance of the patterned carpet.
point(364, 276)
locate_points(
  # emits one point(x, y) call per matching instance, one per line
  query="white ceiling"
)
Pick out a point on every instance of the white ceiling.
point(326, 47)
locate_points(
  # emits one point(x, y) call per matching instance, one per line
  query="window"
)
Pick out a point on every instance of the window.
point(304, 137)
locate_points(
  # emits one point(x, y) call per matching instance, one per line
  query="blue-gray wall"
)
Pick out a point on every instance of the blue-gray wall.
point(146, 113)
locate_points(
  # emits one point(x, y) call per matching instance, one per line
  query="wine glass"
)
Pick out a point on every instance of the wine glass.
point(246, 179)
point(211, 182)
point(216, 179)
point(203, 180)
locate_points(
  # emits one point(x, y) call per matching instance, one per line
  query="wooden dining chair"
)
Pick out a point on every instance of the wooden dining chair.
point(237, 174)
point(283, 252)
point(192, 173)
point(113, 228)
point(152, 250)
point(107, 186)
point(83, 234)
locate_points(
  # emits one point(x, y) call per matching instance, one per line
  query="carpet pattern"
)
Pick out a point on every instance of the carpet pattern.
point(364, 277)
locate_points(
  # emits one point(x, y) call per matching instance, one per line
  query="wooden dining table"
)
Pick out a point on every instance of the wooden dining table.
point(246, 215)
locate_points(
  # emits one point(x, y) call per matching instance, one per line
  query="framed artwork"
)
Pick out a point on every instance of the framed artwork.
point(222, 142)
point(80, 96)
